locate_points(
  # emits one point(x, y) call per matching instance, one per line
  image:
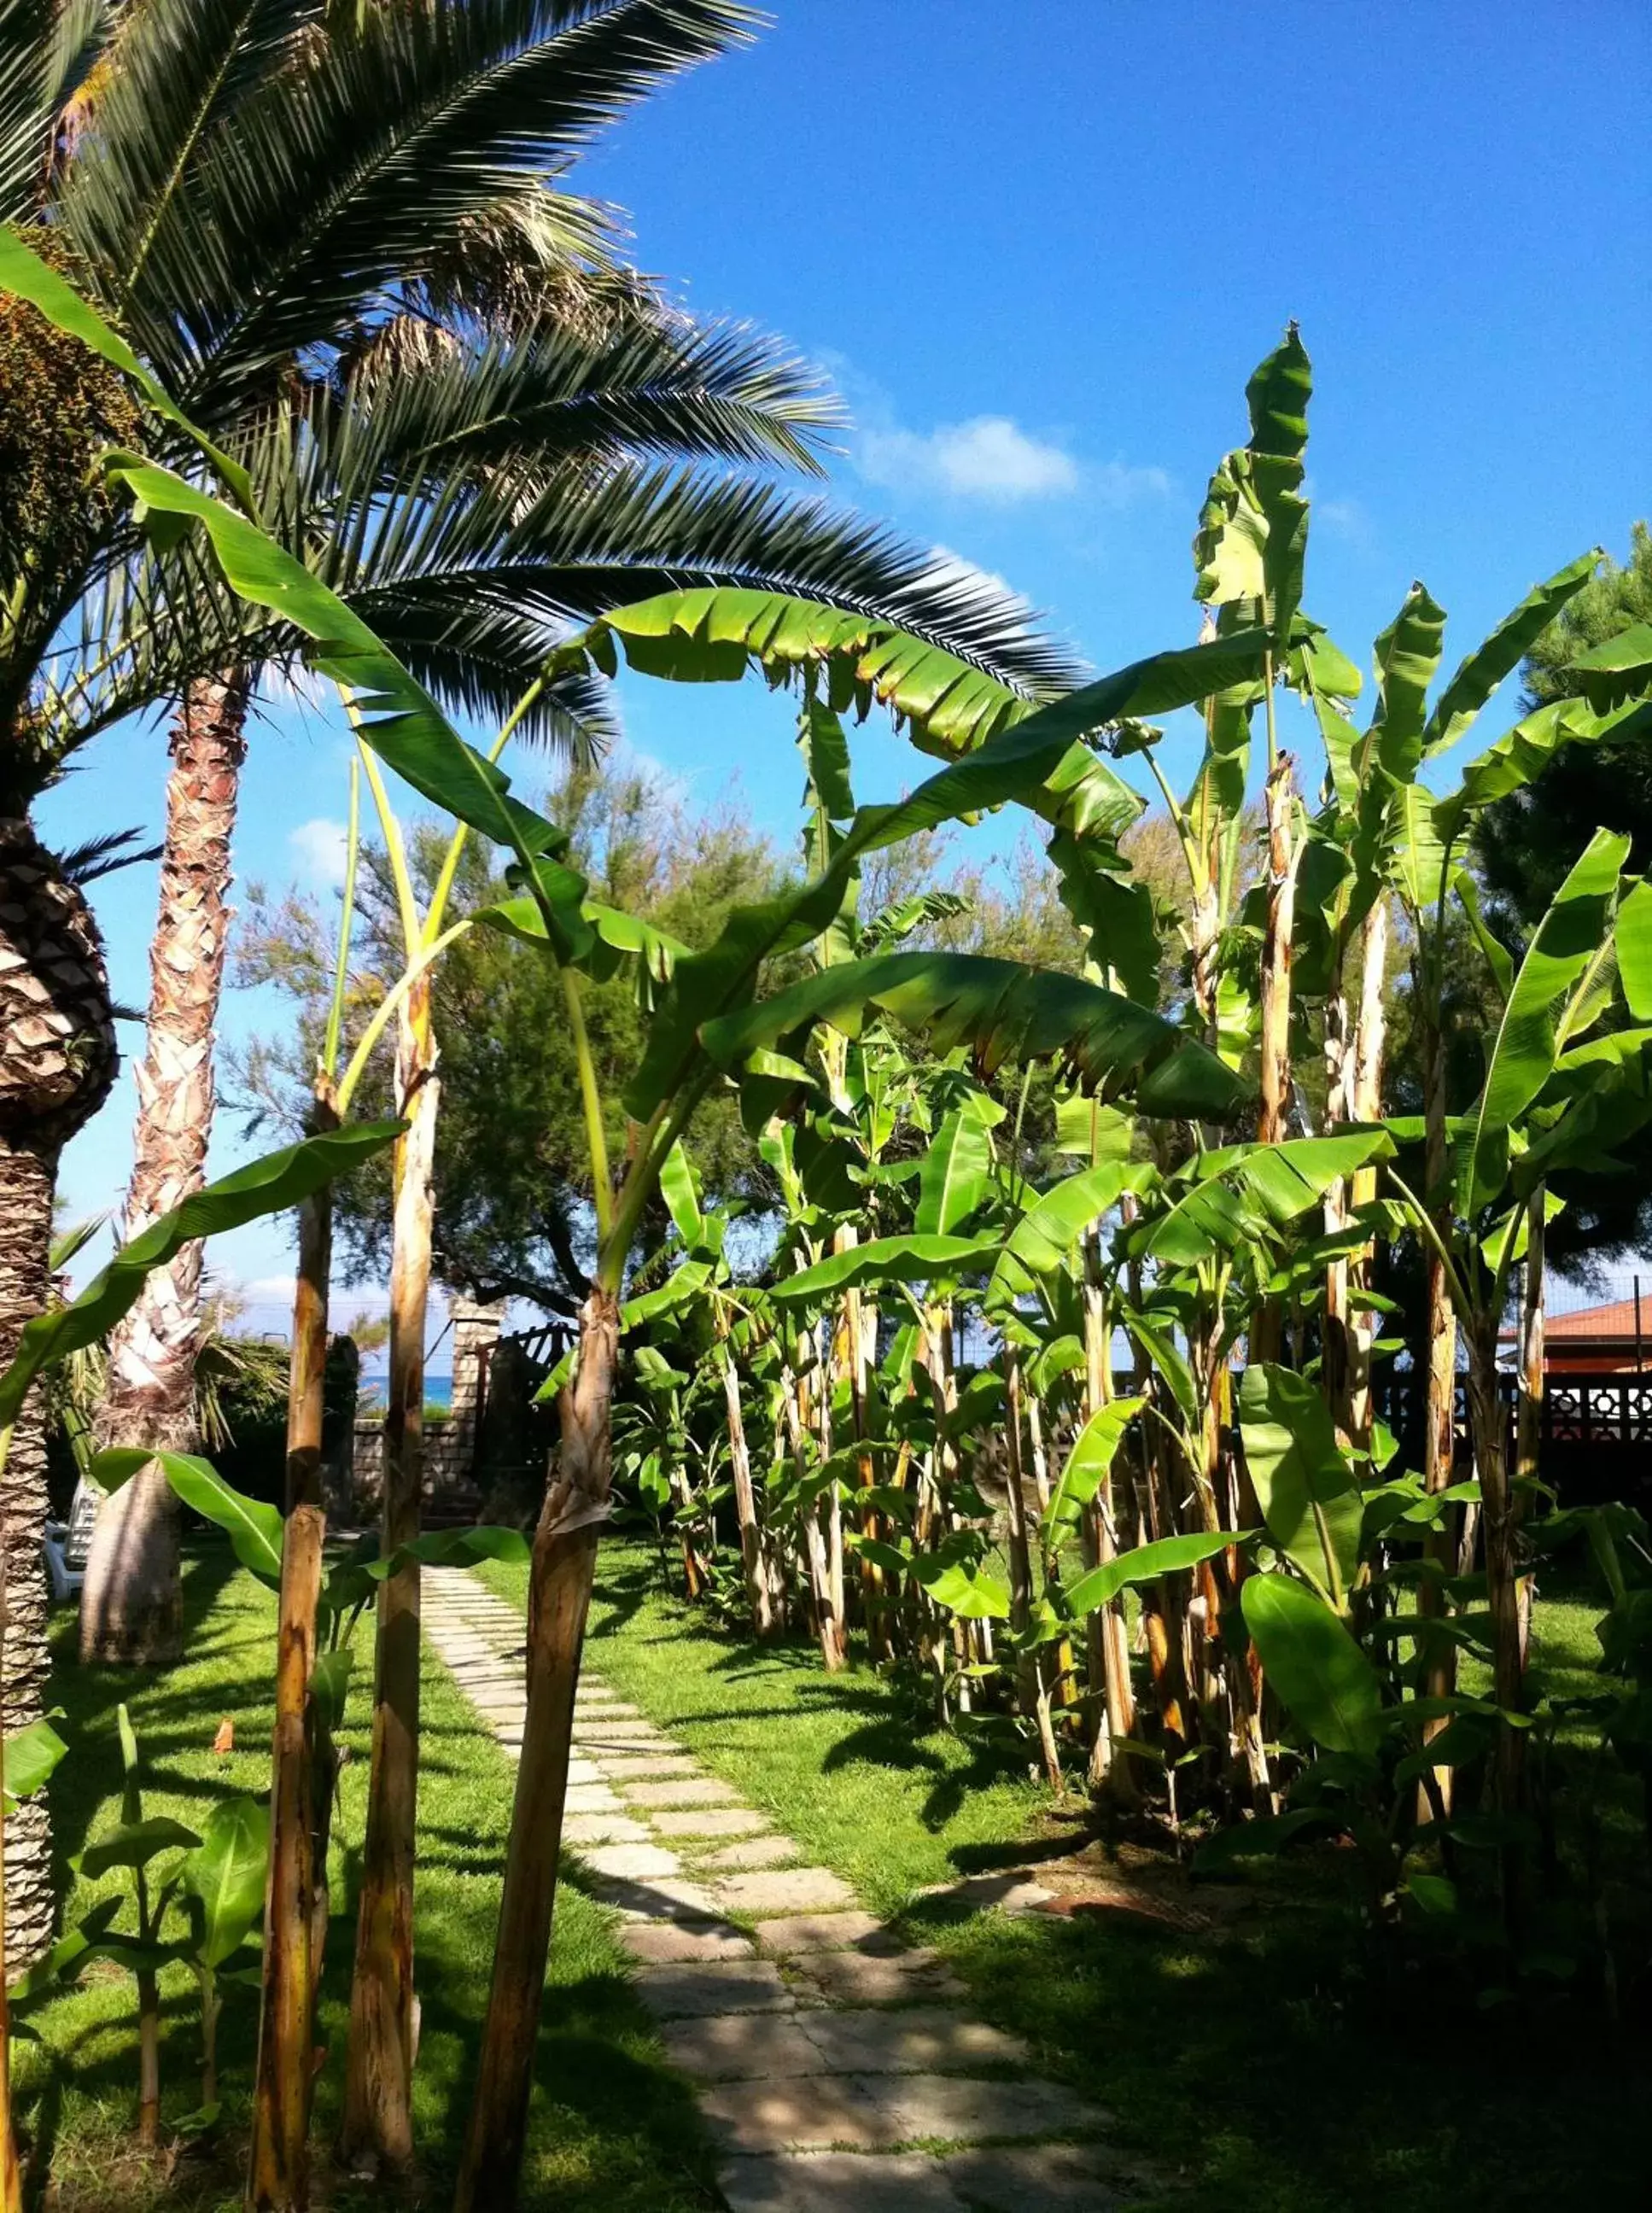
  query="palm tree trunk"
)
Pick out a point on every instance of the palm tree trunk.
point(57, 1062)
point(559, 1597)
point(378, 2123)
point(131, 1608)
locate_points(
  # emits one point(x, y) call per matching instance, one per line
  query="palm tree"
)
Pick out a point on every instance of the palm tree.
point(348, 253)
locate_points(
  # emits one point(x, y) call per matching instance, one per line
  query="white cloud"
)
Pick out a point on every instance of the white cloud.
point(321, 848)
point(990, 458)
point(1119, 484)
point(1344, 519)
point(954, 566)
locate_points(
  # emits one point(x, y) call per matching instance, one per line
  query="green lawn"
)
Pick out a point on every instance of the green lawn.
point(612, 2131)
point(1264, 2062)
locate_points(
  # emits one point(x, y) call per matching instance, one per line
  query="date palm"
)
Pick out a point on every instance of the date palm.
point(350, 254)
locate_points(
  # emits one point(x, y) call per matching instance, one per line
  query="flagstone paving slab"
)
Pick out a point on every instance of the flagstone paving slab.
point(1013, 1892)
point(693, 1989)
point(660, 1941)
point(1043, 2179)
point(642, 1764)
point(859, 1978)
point(707, 1820)
point(740, 2047)
point(634, 1863)
point(823, 1932)
point(592, 1798)
point(790, 1890)
point(692, 1791)
point(878, 2112)
point(667, 1896)
point(582, 1829)
point(925, 2038)
point(838, 2182)
point(746, 1855)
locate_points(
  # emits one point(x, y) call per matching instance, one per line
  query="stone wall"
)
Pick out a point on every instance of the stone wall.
point(450, 1444)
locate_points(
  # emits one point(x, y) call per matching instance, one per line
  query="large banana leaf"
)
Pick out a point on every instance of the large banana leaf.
point(269, 1186)
point(1634, 941)
point(1302, 1480)
point(1570, 936)
point(1088, 1464)
point(1165, 1556)
point(911, 1259)
point(1004, 1012)
point(1240, 1191)
point(1483, 670)
point(1253, 533)
point(1016, 764)
point(1520, 754)
point(1049, 1230)
point(956, 1175)
point(713, 635)
point(30, 1756)
point(226, 1872)
point(254, 1526)
point(1328, 1686)
point(1407, 655)
point(1619, 668)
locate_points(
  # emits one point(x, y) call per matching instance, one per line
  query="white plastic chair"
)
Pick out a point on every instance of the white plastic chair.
point(65, 1582)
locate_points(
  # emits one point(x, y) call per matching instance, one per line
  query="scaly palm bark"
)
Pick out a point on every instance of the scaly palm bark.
point(131, 1607)
point(57, 1062)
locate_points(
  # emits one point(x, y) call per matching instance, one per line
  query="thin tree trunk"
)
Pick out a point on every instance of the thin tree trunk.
point(1285, 851)
point(1336, 1374)
point(306, 1414)
point(131, 1607)
point(58, 1060)
point(378, 2123)
point(1500, 1522)
point(1115, 1719)
point(278, 2167)
point(1440, 1411)
point(148, 2059)
point(564, 1567)
point(1529, 1443)
point(758, 1595)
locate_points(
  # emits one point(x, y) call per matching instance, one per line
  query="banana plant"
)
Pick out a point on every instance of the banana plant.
point(134, 1846)
point(1554, 1096)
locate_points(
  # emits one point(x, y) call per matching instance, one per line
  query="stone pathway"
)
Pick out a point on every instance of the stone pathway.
point(833, 2066)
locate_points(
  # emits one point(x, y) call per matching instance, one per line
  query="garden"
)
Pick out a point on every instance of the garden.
point(1012, 1624)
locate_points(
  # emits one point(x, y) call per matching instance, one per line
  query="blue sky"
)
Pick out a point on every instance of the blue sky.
point(1040, 248)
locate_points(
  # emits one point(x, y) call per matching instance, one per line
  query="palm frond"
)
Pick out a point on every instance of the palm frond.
point(347, 174)
point(552, 394)
point(45, 50)
point(181, 69)
point(94, 858)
